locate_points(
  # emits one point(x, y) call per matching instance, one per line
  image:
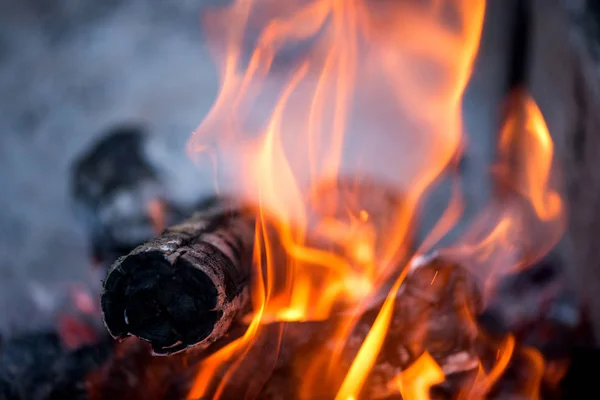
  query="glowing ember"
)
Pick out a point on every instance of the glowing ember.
point(376, 93)
point(156, 211)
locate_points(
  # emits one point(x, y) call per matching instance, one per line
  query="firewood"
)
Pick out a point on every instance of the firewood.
point(185, 287)
point(431, 313)
point(120, 196)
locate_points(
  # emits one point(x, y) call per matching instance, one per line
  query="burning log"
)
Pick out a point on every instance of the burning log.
point(433, 313)
point(185, 287)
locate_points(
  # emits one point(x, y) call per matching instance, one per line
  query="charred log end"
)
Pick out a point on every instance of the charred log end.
point(172, 306)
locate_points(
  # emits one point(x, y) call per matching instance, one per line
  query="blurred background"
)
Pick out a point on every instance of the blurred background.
point(69, 71)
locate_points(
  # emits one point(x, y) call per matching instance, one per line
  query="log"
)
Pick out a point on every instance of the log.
point(120, 196)
point(185, 287)
point(429, 315)
point(433, 312)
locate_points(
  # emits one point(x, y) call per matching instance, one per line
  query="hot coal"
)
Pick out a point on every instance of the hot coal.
point(133, 372)
point(185, 287)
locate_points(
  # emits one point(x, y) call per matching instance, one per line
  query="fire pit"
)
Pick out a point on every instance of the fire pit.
point(312, 275)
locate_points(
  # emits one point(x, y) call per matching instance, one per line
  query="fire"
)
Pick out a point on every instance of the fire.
point(415, 382)
point(374, 89)
point(526, 219)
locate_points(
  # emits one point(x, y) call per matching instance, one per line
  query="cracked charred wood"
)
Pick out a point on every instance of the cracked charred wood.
point(185, 287)
point(432, 312)
point(120, 195)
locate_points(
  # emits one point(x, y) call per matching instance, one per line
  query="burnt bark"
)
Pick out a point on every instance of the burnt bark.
point(431, 314)
point(185, 287)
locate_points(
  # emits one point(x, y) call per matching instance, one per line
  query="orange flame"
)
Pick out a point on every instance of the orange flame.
point(285, 131)
point(156, 212)
point(484, 381)
point(537, 151)
point(415, 382)
point(526, 219)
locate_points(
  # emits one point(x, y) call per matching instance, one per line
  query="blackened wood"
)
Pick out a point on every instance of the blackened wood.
point(432, 312)
point(185, 287)
point(119, 194)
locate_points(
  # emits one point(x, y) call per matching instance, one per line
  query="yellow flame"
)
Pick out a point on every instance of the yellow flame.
point(414, 383)
point(365, 359)
point(537, 151)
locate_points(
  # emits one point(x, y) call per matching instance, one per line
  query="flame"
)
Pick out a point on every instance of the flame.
point(283, 156)
point(484, 381)
point(289, 125)
point(414, 383)
point(526, 218)
point(538, 148)
point(369, 350)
